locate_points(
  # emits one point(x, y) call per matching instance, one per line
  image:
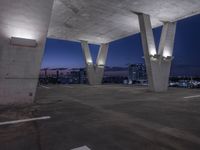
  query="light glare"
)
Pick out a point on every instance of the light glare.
point(166, 53)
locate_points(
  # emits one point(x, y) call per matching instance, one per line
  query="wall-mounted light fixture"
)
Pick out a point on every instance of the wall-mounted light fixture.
point(89, 62)
point(100, 63)
point(160, 58)
point(155, 57)
point(152, 50)
point(23, 42)
point(168, 58)
point(101, 66)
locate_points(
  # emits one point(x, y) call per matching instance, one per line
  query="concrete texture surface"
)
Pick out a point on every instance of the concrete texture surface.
point(107, 20)
point(95, 71)
point(20, 65)
point(157, 63)
point(93, 21)
point(104, 117)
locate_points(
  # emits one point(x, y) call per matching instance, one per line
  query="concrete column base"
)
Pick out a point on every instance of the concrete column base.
point(95, 74)
point(160, 74)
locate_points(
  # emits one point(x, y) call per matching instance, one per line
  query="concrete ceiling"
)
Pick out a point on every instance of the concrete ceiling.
point(25, 18)
point(101, 21)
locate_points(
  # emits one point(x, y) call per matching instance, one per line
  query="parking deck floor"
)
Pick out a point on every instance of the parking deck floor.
point(104, 117)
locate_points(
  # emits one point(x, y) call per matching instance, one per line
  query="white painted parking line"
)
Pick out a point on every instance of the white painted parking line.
point(81, 148)
point(46, 87)
point(24, 120)
point(193, 96)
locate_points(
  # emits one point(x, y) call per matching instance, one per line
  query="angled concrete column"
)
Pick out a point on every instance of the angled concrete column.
point(158, 64)
point(95, 71)
point(20, 62)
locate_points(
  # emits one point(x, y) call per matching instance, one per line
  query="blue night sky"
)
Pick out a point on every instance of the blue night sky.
point(60, 53)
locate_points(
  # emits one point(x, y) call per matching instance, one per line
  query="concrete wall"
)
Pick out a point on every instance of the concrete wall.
point(19, 66)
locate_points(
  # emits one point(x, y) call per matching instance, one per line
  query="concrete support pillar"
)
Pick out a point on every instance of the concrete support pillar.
point(95, 71)
point(158, 64)
point(19, 62)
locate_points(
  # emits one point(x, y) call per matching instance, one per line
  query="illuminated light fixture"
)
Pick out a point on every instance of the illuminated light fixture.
point(155, 57)
point(101, 66)
point(167, 52)
point(152, 51)
point(168, 58)
point(23, 42)
point(89, 63)
point(100, 63)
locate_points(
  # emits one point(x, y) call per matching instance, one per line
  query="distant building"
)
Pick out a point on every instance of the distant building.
point(115, 74)
point(137, 72)
point(82, 76)
point(134, 72)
